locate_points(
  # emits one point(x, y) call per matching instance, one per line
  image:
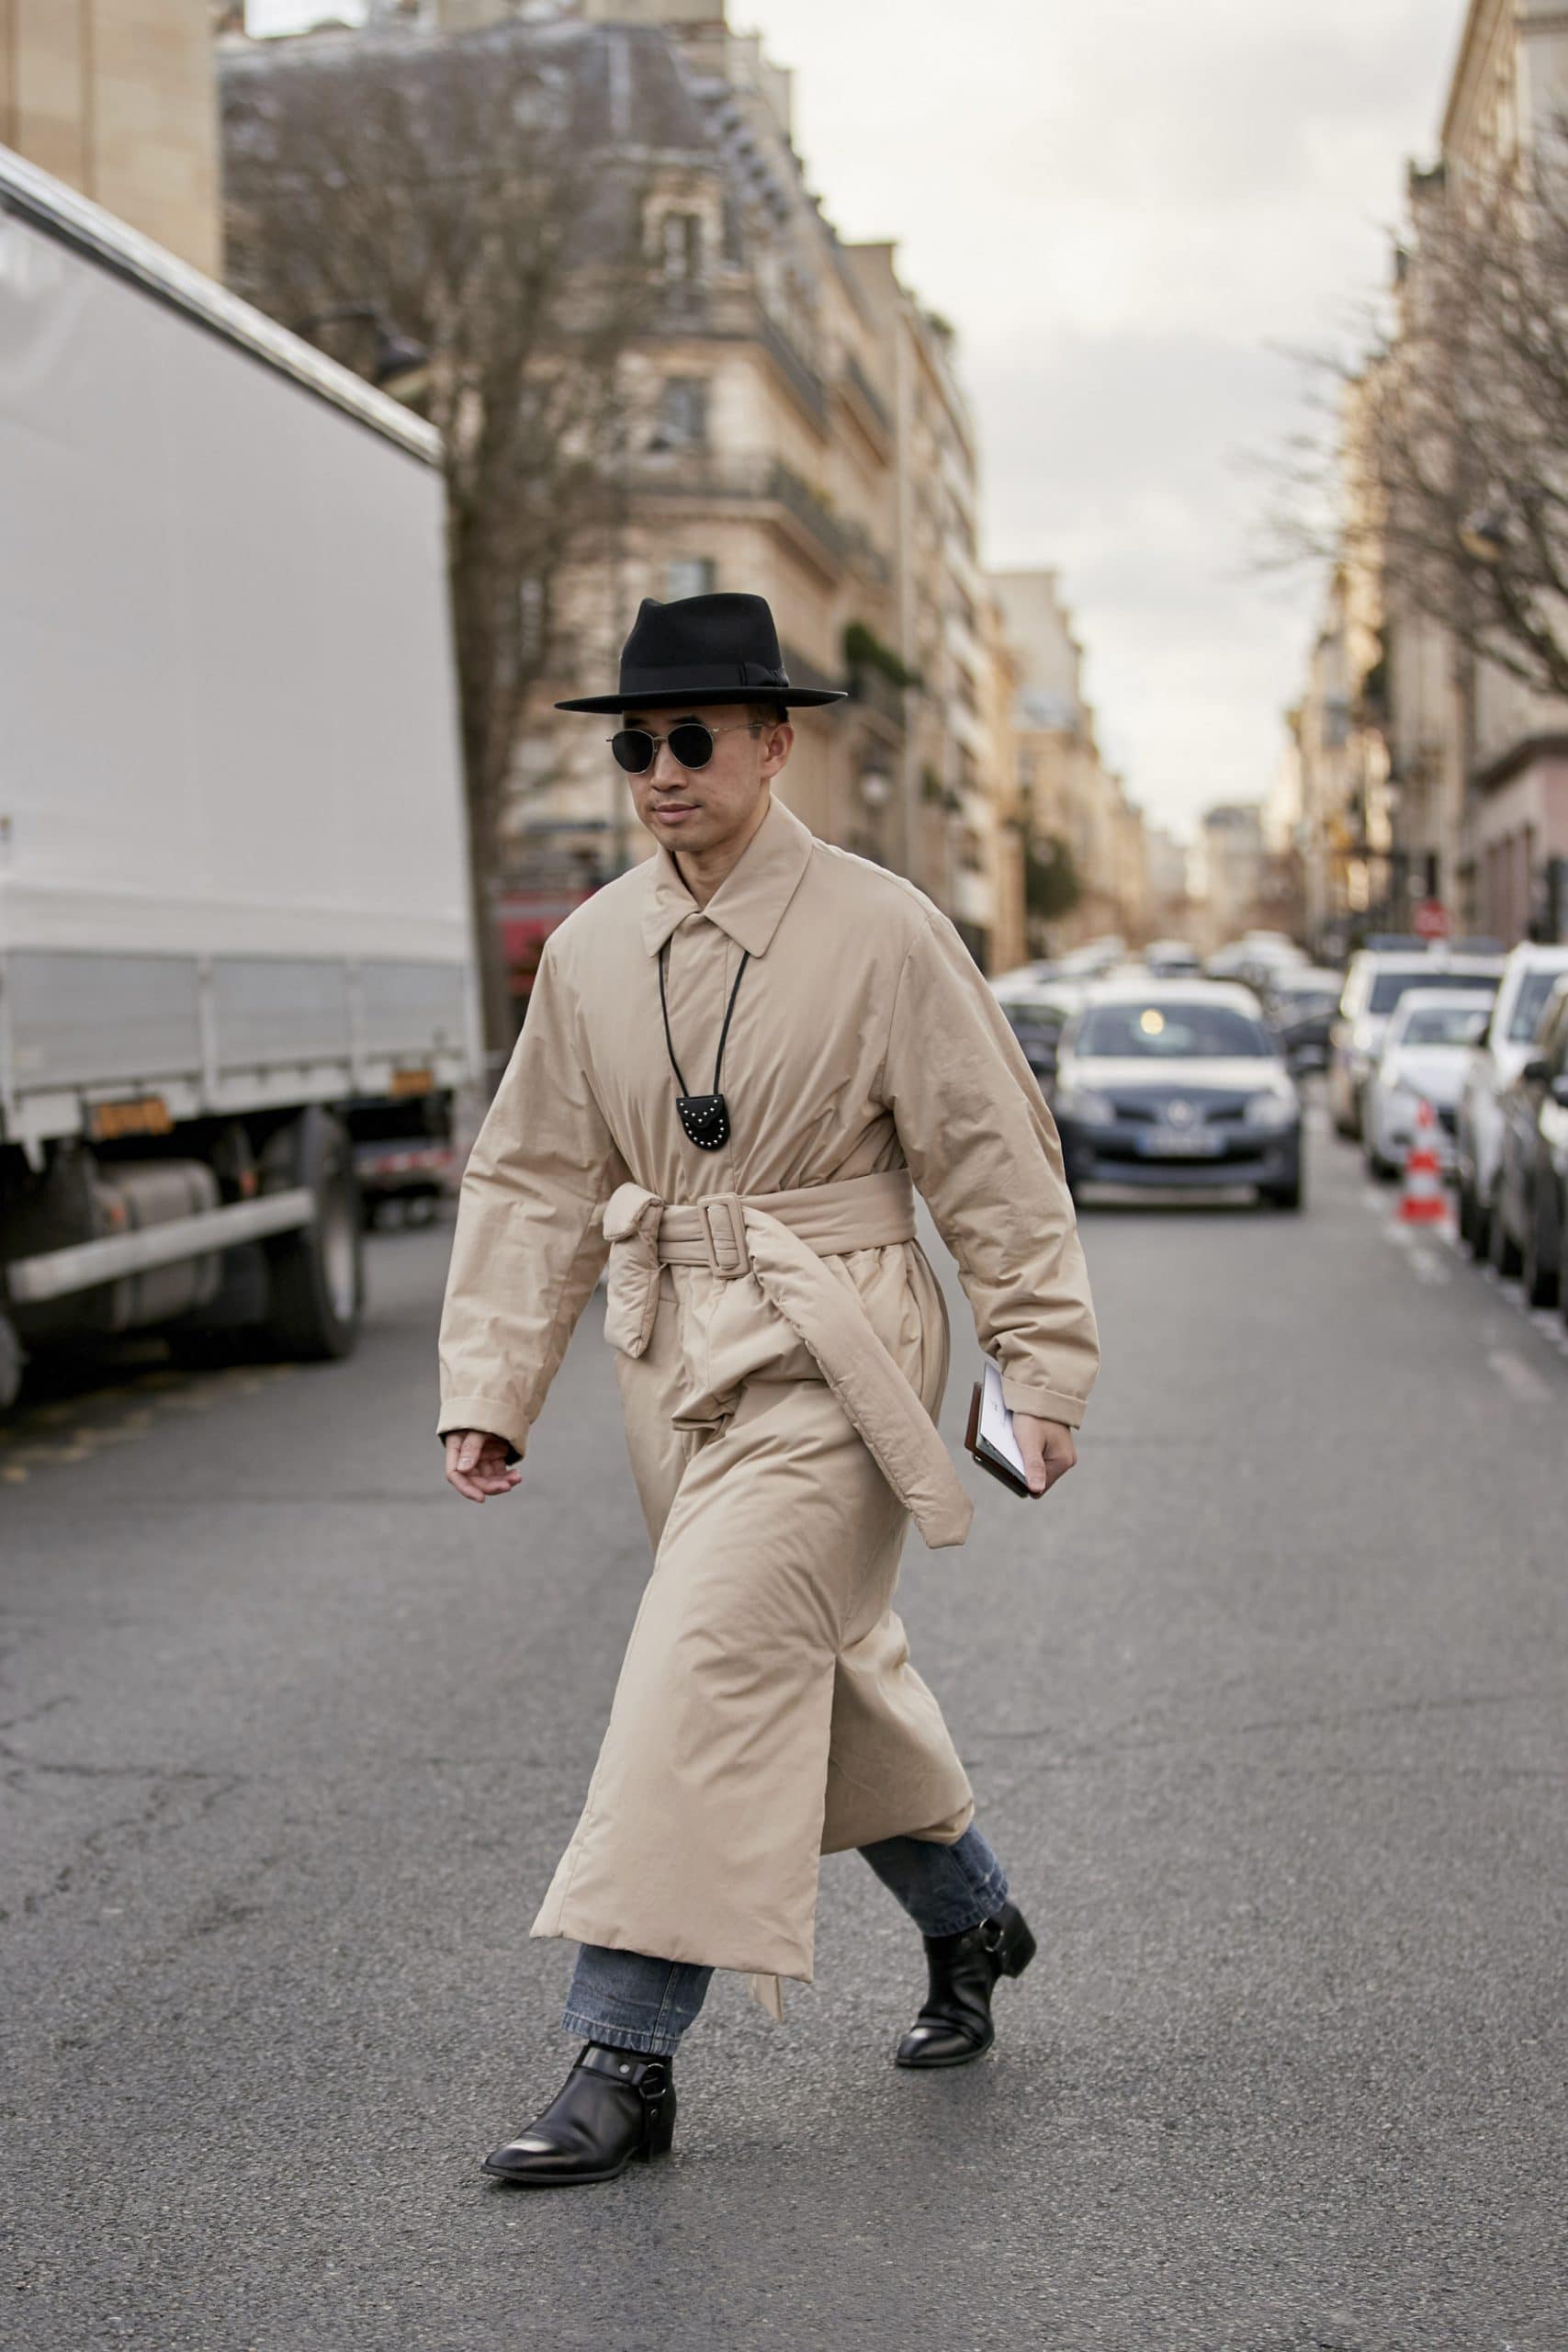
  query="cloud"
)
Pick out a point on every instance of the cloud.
point(1122, 207)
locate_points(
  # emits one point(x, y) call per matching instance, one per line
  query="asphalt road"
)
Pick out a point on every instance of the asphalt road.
point(1265, 1709)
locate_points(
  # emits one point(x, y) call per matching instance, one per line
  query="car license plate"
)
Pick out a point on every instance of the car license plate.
point(1179, 1143)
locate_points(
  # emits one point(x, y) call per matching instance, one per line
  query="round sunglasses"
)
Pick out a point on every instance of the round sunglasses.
point(690, 743)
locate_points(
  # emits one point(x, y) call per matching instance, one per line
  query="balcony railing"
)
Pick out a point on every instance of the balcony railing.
point(803, 379)
point(700, 473)
point(855, 374)
point(875, 691)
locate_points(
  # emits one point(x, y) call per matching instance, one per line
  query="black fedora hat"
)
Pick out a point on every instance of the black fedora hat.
point(722, 648)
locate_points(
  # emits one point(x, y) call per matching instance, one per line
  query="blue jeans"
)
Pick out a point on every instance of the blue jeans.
point(634, 2002)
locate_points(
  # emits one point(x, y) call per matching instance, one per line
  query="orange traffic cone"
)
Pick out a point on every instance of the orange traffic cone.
point(1421, 1196)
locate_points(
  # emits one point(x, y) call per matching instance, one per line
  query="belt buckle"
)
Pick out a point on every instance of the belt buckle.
point(724, 1235)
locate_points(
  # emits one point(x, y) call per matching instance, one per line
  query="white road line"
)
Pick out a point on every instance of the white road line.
point(1429, 1250)
point(1521, 1381)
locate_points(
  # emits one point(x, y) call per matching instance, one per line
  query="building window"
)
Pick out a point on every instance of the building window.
point(680, 244)
point(691, 575)
point(684, 411)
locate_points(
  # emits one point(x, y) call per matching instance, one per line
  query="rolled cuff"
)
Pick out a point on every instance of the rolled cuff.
point(493, 1414)
point(1048, 1403)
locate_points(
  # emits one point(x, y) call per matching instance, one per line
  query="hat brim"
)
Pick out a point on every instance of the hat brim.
point(793, 698)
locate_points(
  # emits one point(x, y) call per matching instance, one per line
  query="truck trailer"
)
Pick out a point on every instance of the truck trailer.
point(236, 948)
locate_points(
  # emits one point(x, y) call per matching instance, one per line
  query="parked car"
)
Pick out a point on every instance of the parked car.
point(1300, 1004)
point(1024, 979)
point(1095, 956)
point(1530, 1205)
point(1178, 1083)
point(1530, 975)
point(1425, 1050)
point(1373, 986)
point(1255, 961)
point(1173, 959)
point(1037, 1020)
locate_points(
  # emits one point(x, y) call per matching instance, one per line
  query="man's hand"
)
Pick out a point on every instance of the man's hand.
point(476, 1465)
point(1047, 1449)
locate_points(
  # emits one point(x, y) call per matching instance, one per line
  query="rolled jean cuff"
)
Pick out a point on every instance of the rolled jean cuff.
point(946, 1890)
point(620, 2037)
point(964, 1912)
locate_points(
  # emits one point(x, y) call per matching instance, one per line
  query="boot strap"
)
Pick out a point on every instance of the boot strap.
point(648, 2073)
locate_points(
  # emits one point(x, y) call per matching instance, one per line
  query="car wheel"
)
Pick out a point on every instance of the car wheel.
point(1284, 1197)
point(1479, 1234)
point(1538, 1278)
point(1502, 1250)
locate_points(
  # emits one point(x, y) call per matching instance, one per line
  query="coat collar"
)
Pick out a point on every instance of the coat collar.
point(752, 896)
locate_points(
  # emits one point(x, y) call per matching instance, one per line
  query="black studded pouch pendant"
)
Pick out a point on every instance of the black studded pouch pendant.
point(704, 1117)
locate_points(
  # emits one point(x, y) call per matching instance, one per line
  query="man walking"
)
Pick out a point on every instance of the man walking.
point(782, 1348)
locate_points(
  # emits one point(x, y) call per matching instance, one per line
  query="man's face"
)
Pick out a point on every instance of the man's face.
point(699, 808)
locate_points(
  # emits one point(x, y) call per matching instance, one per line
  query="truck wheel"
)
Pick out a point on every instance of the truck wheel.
point(318, 1273)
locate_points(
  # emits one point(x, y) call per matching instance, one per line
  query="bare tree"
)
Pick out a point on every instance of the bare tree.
point(454, 191)
point(1441, 467)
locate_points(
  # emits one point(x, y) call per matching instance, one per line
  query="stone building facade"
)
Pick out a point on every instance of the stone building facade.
point(795, 425)
point(1424, 774)
point(1075, 812)
point(116, 97)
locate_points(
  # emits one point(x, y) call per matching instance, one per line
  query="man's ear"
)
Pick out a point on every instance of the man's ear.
point(777, 744)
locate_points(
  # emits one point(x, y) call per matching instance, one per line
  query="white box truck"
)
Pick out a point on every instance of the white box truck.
point(235, 930)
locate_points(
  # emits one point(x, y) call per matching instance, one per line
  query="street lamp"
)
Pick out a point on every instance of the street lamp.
point(398, 366)
point(1484, 534)
point(876, 787)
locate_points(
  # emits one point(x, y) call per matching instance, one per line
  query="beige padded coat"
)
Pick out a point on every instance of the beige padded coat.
point(782, 1348)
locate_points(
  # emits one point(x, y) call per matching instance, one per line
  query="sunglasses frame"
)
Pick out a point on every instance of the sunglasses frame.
point(713, 733)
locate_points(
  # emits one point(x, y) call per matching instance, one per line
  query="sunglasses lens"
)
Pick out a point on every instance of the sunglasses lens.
point(633, 748)
point(691, 743)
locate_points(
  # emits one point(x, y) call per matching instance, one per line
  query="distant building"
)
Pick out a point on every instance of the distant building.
point(795, 426)
point(1084, 837)
point(116, 98)
point(1234, 864)
point(1426, 774)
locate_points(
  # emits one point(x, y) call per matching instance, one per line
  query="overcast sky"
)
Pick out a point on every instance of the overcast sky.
point(1122, 207)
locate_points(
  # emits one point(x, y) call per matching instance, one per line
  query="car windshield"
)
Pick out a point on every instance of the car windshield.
point(1170, 1030)
point(1443, 1024)
point(1035, 1020)
point(1389, 987)
point(1531, 1004)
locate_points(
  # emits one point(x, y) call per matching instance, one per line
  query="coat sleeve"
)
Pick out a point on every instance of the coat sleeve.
point(527, 1250)
point(983, 1151)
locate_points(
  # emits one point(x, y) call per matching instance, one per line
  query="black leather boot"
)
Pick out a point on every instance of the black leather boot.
point(615, 2105)
point(955, 2023)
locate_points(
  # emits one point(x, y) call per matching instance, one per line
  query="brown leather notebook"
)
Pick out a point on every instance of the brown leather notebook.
point(979, 1444)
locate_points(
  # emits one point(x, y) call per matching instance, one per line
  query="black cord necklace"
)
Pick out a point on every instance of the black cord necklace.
point(706, 1117)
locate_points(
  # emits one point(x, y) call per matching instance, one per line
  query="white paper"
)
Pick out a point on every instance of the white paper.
point(995, 1421)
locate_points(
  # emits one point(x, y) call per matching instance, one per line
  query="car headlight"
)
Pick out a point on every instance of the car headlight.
point(1273, 1111)
point(1083, 1103)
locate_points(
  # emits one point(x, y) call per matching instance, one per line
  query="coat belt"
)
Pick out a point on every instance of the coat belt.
point(783, 1241)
